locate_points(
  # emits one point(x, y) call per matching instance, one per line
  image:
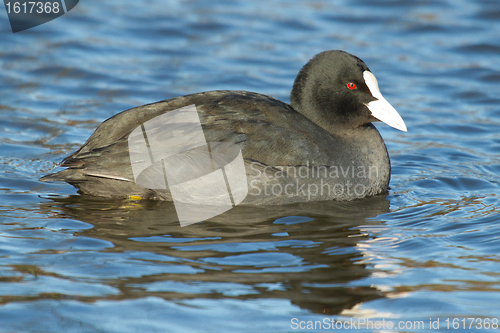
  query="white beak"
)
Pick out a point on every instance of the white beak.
point(381, 109)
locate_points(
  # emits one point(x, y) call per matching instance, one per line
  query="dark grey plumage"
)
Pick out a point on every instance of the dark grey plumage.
point(311, 132)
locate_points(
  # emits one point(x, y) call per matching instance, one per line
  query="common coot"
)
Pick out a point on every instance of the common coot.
point(321, 146)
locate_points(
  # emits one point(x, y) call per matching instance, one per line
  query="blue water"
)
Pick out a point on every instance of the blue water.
point(428, 250)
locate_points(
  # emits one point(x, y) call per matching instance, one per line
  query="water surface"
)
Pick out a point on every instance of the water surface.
point(427, 249)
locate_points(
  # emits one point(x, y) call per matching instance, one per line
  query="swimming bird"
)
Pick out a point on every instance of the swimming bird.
point(321, 146)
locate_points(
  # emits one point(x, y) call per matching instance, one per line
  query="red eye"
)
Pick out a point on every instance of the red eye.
point(351, 85)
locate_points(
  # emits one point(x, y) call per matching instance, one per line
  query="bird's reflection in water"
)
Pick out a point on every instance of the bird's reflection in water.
point(306, 253)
